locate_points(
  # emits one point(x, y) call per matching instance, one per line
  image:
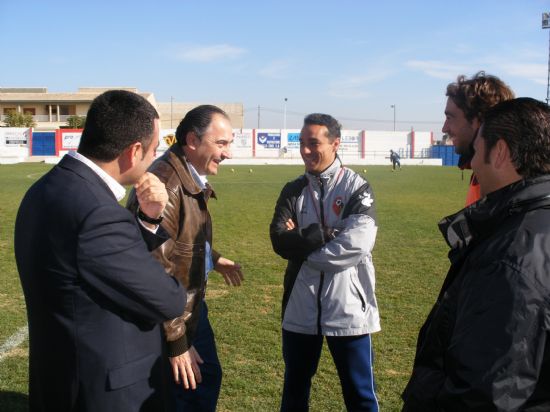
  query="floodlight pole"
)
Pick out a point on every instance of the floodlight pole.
point(284, 116)
point(393, 107)
point(546, 25)
point(548, 81)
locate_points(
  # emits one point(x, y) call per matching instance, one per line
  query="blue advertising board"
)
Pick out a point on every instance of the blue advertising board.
point(293, 140)
point(43, 144)
point(270, 140)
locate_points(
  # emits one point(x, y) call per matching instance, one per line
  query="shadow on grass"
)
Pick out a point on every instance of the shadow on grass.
point(14, 401)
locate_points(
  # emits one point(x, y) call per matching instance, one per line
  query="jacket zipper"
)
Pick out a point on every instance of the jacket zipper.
point(322, 278)
point(321, 281)
point(363, 303)
point(321, 207)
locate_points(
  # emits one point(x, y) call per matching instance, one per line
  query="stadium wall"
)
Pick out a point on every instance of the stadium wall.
point(253, 146)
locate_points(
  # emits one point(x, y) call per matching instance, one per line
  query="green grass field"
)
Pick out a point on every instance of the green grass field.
point(410, 260)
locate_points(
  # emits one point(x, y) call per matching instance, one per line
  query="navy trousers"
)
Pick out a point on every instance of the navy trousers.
point(205, 397)
point(352, 356)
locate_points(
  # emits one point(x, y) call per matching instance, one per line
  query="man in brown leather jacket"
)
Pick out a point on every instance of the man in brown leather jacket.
point(203, 138)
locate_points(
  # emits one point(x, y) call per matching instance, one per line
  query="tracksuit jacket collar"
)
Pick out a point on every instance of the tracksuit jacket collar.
point(327, 176)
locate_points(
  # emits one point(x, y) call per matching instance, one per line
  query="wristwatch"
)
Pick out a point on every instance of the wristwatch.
point(148, 219)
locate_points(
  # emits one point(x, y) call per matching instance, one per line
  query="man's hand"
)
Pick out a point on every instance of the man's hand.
point(186, 366)
point(329, 233)
point(230, 271)
point(151, 195)
point(290, 225)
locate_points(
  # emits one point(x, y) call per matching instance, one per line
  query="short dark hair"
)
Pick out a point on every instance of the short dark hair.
point(333, 127)
point(476, 95)
point(197, 121)
point(116, 119)
point(524, 124)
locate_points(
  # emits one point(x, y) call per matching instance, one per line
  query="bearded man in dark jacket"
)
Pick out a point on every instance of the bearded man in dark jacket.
point(485, 345)
point(468, 100)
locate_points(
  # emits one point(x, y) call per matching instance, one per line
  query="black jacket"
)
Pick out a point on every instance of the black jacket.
point(485, 345)
point(95, 297)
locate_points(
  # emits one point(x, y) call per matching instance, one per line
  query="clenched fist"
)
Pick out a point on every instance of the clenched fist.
point(151, 195)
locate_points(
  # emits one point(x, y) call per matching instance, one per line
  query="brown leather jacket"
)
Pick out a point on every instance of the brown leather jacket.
point(188, 222)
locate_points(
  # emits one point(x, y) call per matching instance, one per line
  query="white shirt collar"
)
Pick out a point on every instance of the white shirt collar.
point(199, 179)
point(118, 190)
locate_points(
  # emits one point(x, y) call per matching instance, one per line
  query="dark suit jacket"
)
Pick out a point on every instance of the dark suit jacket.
point(95, 297)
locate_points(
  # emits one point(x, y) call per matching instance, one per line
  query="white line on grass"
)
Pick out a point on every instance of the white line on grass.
point(13, 341)
point(35, 175)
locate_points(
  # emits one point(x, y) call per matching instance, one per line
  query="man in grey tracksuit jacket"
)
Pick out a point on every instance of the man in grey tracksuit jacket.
point(324, 225)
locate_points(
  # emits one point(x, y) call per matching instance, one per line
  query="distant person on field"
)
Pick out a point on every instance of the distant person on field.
point(324, 225)
point(395, 159)
point(468, 100)
point(485, 345)
point(204, 137)
point(95, 297)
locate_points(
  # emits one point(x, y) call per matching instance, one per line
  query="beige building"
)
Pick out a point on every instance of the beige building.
point(51, 110)
point(172, 113)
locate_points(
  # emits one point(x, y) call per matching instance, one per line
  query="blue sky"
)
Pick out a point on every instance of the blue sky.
point(351, 59)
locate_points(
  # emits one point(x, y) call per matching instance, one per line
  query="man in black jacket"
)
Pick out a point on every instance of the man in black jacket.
point(485, 346)
point(95, 296)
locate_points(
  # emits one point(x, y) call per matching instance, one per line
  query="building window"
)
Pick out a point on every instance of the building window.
point(29, 110)
point(8, 110)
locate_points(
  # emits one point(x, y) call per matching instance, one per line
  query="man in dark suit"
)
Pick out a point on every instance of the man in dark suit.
point(95, 296)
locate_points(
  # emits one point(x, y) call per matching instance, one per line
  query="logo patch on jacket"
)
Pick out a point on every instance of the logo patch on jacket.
point(337, 206)
point(366, 200)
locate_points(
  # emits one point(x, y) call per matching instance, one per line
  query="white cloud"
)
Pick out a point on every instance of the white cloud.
point(277, 69)
point(497, 65)
point(208, 53)
point(535, 72)
point(355, 87)
point(525, 63)
point(441, 70)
